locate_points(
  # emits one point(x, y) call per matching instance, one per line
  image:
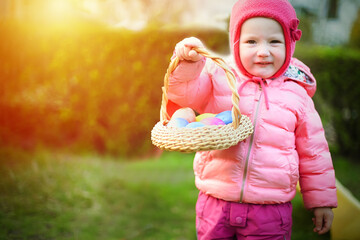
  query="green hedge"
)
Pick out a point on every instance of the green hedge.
point(96, 88)
point(338, 91)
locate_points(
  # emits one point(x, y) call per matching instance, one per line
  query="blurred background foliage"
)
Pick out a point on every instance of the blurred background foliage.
point(338, 91)
point(93, 88)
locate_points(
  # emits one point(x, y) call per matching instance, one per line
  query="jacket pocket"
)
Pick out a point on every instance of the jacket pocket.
point(285, 212)
point(293, 173)
point(200, 204)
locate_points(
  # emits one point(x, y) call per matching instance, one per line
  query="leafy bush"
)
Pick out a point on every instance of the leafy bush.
point(94, 88)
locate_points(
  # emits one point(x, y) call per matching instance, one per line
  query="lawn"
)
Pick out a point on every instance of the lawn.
point(61, 196)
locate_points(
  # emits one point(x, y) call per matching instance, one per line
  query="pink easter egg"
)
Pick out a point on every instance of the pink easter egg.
point(212, 121)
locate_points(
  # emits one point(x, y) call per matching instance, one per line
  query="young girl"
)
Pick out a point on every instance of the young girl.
point(245, 191)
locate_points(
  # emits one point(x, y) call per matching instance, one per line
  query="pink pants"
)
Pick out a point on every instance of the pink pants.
point(219, 219)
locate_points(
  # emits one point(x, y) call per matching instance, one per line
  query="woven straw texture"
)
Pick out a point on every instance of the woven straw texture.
point(211, 137)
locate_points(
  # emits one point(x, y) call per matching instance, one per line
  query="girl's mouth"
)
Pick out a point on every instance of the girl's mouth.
point(263, 63)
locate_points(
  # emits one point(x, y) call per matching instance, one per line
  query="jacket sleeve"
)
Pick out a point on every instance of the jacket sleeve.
point(317, 176)
point(189, 83)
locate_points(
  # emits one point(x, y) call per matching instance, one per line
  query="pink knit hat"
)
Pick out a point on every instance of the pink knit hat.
point(279, 10)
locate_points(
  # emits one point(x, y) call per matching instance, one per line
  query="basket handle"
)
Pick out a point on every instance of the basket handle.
point(236, 115)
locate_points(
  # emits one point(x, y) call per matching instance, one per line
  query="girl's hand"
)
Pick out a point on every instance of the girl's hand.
point(323, 219)
point(183, 50)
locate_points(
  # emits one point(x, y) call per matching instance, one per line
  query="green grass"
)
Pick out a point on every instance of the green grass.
point(63, 197)
point(348, 173)
point(59, 196)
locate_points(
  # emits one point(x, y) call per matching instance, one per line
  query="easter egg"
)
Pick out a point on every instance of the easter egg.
point(177, 122)
point(212, 121)
point(195, 125)
point(226, 116)
point(186, 113)
point(204, 115)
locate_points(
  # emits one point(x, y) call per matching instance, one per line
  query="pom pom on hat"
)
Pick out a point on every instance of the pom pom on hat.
point(295, 33)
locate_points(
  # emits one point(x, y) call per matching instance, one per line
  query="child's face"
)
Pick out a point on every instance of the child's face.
point(262, 46)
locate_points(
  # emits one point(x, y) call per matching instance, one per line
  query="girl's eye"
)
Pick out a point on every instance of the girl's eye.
point(275, 41)
point(251, 41)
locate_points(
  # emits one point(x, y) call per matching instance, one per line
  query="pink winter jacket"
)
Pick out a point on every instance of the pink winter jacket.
point(288, 144)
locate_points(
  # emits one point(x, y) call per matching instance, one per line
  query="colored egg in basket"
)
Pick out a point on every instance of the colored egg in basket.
point(185, 113)
point(204, 115)
point(178, 122)
point(212, 121)
point(225, 116)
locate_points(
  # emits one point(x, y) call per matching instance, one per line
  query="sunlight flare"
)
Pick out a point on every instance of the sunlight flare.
point(91, 6)
point(59, 8)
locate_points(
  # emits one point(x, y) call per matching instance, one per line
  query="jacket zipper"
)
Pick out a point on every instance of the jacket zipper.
point(250, 147)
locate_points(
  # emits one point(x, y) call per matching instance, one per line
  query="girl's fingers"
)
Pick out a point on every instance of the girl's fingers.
point(183, 49)
point(194, 56)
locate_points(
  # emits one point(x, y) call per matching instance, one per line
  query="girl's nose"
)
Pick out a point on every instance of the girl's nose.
point(263, 51)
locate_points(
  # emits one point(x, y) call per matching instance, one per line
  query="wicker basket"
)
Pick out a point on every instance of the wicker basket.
point(210, 137)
